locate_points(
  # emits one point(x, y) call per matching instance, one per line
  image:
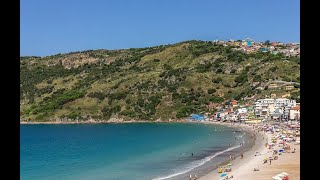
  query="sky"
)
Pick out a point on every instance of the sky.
point(50, 27)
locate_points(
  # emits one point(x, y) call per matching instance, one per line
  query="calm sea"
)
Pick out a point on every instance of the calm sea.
point(121, 151)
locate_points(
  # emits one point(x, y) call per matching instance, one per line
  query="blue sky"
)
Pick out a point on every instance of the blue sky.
point(59, 26)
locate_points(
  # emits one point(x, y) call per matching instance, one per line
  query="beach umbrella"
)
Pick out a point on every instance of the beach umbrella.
point(222, 175)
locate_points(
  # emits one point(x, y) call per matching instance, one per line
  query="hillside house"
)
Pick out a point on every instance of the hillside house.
point(234, 103)
point(294, 113)
point(254, 84)
point(243, 117)
point(273, 86)
point(289, 87)
point(286, 95)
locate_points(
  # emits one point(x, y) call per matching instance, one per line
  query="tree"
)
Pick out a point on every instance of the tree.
point(211, 91)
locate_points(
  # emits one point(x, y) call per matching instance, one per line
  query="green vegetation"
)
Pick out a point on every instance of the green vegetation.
point(170, 81)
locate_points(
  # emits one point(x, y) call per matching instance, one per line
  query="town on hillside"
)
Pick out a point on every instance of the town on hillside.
point(253, 111)
point(249, 46)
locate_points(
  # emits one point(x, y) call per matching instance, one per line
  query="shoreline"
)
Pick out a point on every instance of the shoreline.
point(244, 168)
point(257, 145)
point(99, 122)
point(222, 157)
point(92, 121)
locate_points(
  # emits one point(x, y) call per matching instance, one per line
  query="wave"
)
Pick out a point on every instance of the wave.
point(197, 163)
point(240, 136)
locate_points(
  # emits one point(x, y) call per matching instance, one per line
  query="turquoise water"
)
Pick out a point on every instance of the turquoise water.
point(119, 151)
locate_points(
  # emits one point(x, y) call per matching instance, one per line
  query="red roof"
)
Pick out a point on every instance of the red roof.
point(234, 102)
point(296, 108)
point(229, 111)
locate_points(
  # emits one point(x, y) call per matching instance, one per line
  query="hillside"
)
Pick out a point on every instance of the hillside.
point(167, 82)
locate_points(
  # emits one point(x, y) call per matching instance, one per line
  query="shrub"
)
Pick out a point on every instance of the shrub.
point(241, 78)
point(219, 70)
point(216, 99)
point(257, 78)
point(211, 91)
point(217, 80)
point(98, 95)
point(273, 69)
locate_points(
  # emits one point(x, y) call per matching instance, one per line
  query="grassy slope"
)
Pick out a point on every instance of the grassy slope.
point(141, 74)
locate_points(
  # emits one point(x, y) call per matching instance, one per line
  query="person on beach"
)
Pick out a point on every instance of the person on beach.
point(191, 154)
point(241, 156)
point(269, 161)
point(190, 177)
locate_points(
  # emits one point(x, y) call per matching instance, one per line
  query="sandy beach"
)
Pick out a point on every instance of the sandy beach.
point(243, 169)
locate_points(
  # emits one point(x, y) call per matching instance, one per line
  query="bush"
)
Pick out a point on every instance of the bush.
point(226, 85)
point(217, 80)
point(98, 95)
point(211, 91)
point(257, 78)
point(273, 69)
point(184, 112)
point(216, 99)
point(242, 78)
point(286, 78)
point(219, 70)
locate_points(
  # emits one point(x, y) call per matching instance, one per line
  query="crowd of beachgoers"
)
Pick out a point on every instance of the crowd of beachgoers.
point(275, 155)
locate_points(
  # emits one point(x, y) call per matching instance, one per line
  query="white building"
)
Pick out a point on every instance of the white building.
point(277, 108)
point(241, 110)
point(294, 113)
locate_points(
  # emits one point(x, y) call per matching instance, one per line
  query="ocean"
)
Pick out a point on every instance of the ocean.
point(125, 151)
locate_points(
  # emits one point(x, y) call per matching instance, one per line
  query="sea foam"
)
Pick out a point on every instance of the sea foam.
point(196, 164)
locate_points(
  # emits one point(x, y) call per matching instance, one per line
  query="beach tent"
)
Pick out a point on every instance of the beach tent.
point(281, 150)
point(282, 176)
point(276, 178)
point(197, 117)
point(224, 174)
